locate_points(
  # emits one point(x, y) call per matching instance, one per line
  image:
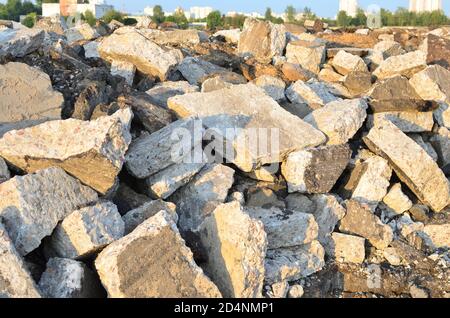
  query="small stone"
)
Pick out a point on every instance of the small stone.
point(4, 172)
point(419, 213)
point(442, 115)
point(32, 205)
point(279, 290)
point(417, 292)
point(91, 50)
point(86, 231)
point(137, 216)
point(360, 220)
point(123, 69)
point(391, 255)
point(153, 261)
point(329, 75)
point(315, 170)
point(65, 278)
point(348, 248)
point(236, 245)
point(345, 63)
point(441, 143)
point(296, 291)
point(285, 228)
point(231, 36)
point(81, 32)
point(397, 200)
point(406, 65)
point(15, 279)
point(339, 120)
point(294, 72)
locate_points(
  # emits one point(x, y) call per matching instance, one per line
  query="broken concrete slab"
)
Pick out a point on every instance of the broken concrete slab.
point(66, 278)
point(406, 121)
point(397, 94)
point(161, 92)
point(36, 103)
point(231, 36)
point(397, 200)
point(345, 63)
point(273, 86)
point(389, 48)
point(200, 197)
point(425, 145)
point(90, 97)
point(437, 235)
point(406, 65)
point(164, 183)
point(15, 279)
point(262, 40)
point(91, 151)
point(348, 248)
point(441, 143)
point(196, 70)
point(20, 42)
point(152, 261)
point(315, 170)
point(91, 50)
point(81, 32)
point(123, 69)
point(411, 163)
point(437, 50)
point(87, 231)
point(135, 48)
point(339, 120)
point(151, 153)
point(309, 55)
point(236, 247)
point(294, 72)
point(246, 109)
point(433, 83)
point(5, 175)
point(285, 228)
point(315, 94)
point(369, 181)
point(327, 212)
point(31, 206)
point(170, 37)
point(137, 216)
point(357, 83)
point(360, 220)
point(291, 264)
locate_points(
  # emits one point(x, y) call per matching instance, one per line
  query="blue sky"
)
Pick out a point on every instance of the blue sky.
point(325, 8)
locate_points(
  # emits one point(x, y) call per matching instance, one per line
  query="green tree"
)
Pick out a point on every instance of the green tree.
point(158, 14)
point(214, 20)
point(309, 14)
point(343, 20)
point(181, 20)
point(112, 15)
point(89, 17)
point(360, 18)
point(290, 13)
point(30, 20)
point(268, 15)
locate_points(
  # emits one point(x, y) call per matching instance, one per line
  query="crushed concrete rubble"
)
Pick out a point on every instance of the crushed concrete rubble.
point(272, 161)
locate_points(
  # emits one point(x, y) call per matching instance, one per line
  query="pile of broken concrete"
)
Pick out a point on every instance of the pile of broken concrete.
point(93, 204)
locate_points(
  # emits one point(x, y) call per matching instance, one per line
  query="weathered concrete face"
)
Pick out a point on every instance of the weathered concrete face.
point(36, 103)
point(31, 206)
point(247, 108)
point(411, 163)
point(128, 267)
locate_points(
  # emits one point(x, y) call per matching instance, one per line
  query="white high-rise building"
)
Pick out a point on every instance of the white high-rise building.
point(349, 6)
point(198, 12)
point(425, 5)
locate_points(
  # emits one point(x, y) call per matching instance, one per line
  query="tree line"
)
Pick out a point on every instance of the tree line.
point(401, 17)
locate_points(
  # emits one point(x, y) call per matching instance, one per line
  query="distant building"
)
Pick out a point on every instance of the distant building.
point(198, 12)
point(349, 6)
point(425, 5)
point(72, 7)
point(148, 11)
